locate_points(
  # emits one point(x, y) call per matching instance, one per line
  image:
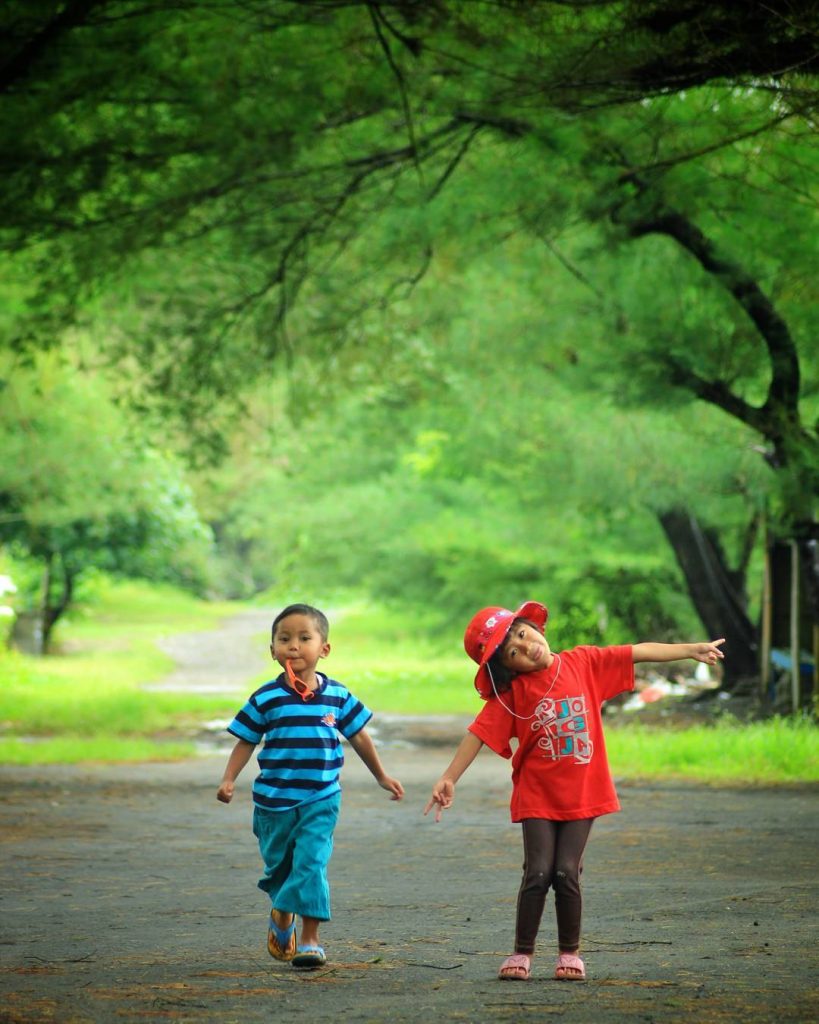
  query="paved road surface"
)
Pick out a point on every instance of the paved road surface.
point(127, 893)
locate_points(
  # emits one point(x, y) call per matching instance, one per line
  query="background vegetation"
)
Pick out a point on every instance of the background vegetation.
point(434, 304)
point(89, 703)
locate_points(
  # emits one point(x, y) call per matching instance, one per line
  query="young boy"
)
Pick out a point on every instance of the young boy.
point(551, 705)
point(297, 793)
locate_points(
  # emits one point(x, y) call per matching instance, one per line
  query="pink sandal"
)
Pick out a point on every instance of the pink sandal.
point(567, 962)
point(518, 963)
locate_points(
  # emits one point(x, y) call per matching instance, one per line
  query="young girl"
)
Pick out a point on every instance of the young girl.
point(551, 704)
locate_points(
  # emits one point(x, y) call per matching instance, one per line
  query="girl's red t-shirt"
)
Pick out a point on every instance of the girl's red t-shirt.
point(560, 770)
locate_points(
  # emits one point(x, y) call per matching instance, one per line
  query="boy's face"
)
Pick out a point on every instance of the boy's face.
point(298, 640)
point(525, 649)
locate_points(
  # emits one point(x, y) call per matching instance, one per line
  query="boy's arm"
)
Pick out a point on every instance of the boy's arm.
point(708, 652)
point(363, 745)
point(239, 757)
point(443, 792)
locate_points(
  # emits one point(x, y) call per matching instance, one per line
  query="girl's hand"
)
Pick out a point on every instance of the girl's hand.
point(225, 792)
point(708, 652)
point(443, 794)
point(392, 786)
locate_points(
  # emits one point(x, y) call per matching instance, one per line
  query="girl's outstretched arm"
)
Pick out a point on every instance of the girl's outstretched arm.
point(443, 792)
point(708, 652)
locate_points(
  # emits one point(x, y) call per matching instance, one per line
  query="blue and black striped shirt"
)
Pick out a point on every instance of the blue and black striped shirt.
point(302, 756)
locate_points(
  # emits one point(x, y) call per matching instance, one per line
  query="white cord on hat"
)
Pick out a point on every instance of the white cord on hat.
point(524, 718)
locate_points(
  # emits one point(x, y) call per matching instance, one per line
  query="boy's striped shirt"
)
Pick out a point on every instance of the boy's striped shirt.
point(302, 756)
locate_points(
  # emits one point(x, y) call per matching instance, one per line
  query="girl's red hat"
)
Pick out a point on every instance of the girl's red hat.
point(486, 632)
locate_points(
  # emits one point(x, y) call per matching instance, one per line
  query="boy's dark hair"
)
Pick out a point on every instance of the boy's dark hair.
point(315, 614)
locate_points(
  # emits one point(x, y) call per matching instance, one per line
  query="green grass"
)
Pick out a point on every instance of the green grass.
point(775, 751)
point(81, 749)
point(393, 664)
point(86, 703)
point(389, 660)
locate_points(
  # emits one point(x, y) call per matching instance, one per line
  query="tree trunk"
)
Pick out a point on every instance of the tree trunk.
point(32, 630)
point(718, 594)
point(26, 633)
point(793, 448)
point(53, 608)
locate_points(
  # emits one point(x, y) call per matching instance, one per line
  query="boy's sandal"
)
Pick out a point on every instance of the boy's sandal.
point(281, 942)
point(570, 968)
point(515, 968)
point(309, 957)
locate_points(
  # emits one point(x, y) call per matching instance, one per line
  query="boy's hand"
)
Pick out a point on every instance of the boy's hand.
point(709, 652)
point(443, 793)
point(225, 792)
point(392, 786)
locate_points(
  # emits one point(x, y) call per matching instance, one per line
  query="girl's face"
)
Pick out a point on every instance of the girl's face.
point(525, 649)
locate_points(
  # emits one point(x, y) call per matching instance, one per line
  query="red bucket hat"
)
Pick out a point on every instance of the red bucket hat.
point(487, 631)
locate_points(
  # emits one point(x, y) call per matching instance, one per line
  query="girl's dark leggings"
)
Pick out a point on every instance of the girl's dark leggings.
point(552, 856)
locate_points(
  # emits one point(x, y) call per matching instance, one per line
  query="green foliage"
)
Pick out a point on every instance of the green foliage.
point(479, 471)
point(88, 705)
point(399, 660)
point(250, 180)
point(414, 286)
point(80, 488)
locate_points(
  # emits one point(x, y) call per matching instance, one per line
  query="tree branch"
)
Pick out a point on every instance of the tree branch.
point(377, 17)
point(783, 392)
point(717, 393)
point(453, 163)
point(635, 173)
point(18, 66)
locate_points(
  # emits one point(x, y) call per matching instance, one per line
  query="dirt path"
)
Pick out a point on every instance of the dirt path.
point(128, 894)
point(221, 660)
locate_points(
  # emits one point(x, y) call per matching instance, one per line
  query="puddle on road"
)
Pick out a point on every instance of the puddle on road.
point(395, 732)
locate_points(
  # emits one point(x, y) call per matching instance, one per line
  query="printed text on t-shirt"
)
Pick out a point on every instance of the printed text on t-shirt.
point(565, 728)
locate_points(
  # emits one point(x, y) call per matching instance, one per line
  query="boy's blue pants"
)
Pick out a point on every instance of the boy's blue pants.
point(295, 846)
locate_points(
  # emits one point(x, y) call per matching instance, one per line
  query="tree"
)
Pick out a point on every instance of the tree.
point(79, 489)
point(633, 116)
point(133, 149)
point(473, 464)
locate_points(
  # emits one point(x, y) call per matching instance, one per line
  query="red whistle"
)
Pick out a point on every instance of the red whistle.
point(299, 685)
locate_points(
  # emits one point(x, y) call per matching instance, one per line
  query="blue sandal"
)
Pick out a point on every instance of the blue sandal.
point(309, 957)
point(281, 942)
